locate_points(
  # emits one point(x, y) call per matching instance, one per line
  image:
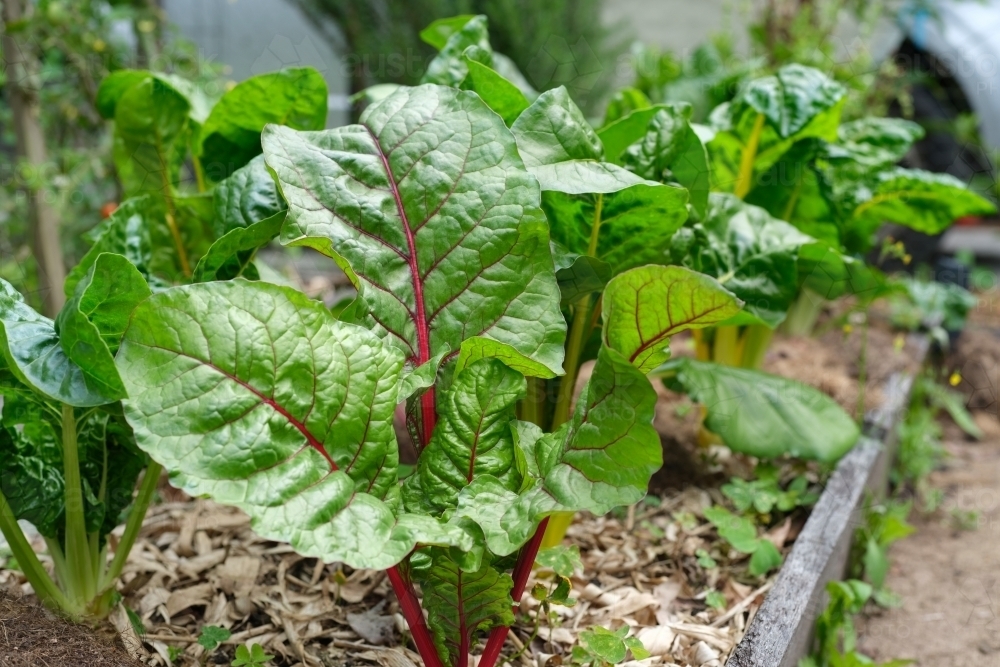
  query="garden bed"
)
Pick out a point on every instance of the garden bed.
point(198, 563)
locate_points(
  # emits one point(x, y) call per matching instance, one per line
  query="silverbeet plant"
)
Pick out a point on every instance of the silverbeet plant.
point(258, 397)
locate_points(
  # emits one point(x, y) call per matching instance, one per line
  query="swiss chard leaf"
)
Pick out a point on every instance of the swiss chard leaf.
point(750, 253)
point(473, 437)
point(594, 208)
point(766, 118)
point(578, 275)
point(670, 151)
point(449, 67)
point(91, 324)
point(286, 413)
point(230, 137)
point(31, 350)
point(231, 255)
point(250, 195)
point(499, 94)
point(765, 415)
point(31, 477)
point(151, 131)
point(645, 306)
point(426, 203)
point(460, 603)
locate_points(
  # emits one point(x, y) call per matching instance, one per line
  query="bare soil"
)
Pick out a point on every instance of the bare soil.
point(31, 636)
point(947, 572)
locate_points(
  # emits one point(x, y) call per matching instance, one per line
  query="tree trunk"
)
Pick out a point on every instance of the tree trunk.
point(22, 95)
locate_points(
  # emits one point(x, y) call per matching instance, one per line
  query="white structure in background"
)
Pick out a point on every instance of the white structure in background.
point(257, 36)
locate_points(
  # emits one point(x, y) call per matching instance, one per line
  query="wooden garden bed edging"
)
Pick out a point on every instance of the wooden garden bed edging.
point(781, 632)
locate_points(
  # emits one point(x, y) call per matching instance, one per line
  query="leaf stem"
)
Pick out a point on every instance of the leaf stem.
point(82, 585)
point(410, 607)
point(755, 341)
point(175, 232)
point(525, 561)
point(744, 180)
point(199, 172)
point(134, 523)
point(33, 569)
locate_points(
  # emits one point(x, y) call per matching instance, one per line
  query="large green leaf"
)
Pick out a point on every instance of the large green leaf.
point(670, 151)
point(295, 97)
point(578, 274)
point(765, 415)
point(250, 195)
point(256, 396)
point(473, 436)
point(438, 32)
point(428, 205)
point(750, 253)
point(30, 349)
point(828, 274)
point(617, 136)
point(461, 604)
point(151, 130)
point(643, 307)
point(91, 324)
point(874, 143)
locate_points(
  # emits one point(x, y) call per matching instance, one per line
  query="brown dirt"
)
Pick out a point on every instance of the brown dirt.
point(948, 576)
point(31, 636)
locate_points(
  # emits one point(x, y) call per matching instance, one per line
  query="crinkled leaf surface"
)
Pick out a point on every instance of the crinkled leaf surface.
point(474, 349)
point(874, 143)
point(427, 203)
point(254, 395)
point(473, 435)
point(31, 479)
point(602, 458)
point(796, 103)
point(829, 274)
point(750, 253)
point(250, 195)
point(31, 350)
point(91, 324)
point(635, 224)
point(460, 604)
point(295, 97)
point(765, 415)
point(553, 129)
point(670, 151)
point(643, 307)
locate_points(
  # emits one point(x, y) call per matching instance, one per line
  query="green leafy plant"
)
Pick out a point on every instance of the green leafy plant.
point(763, 494)
point(937, 308)
point(836, 637)
point(884, 524)
point(600, 647)
point(212, 635)
point(741, 534)
point(251, 657)
point(258, 397)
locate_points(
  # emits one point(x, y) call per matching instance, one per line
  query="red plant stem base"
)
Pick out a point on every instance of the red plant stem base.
point(525, 561)
point(414, 616)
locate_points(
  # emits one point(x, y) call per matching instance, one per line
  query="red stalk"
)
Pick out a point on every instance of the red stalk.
point(525, 561)
point(410, 607)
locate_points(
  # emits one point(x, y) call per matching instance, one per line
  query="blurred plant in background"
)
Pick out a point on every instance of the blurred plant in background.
point(554, 43)
point(68, 47)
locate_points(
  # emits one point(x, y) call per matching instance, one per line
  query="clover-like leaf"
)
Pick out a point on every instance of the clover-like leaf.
point(765, 415)
point(427, 204)
point(256, 396)
point(643, 307)
point(230, 137)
